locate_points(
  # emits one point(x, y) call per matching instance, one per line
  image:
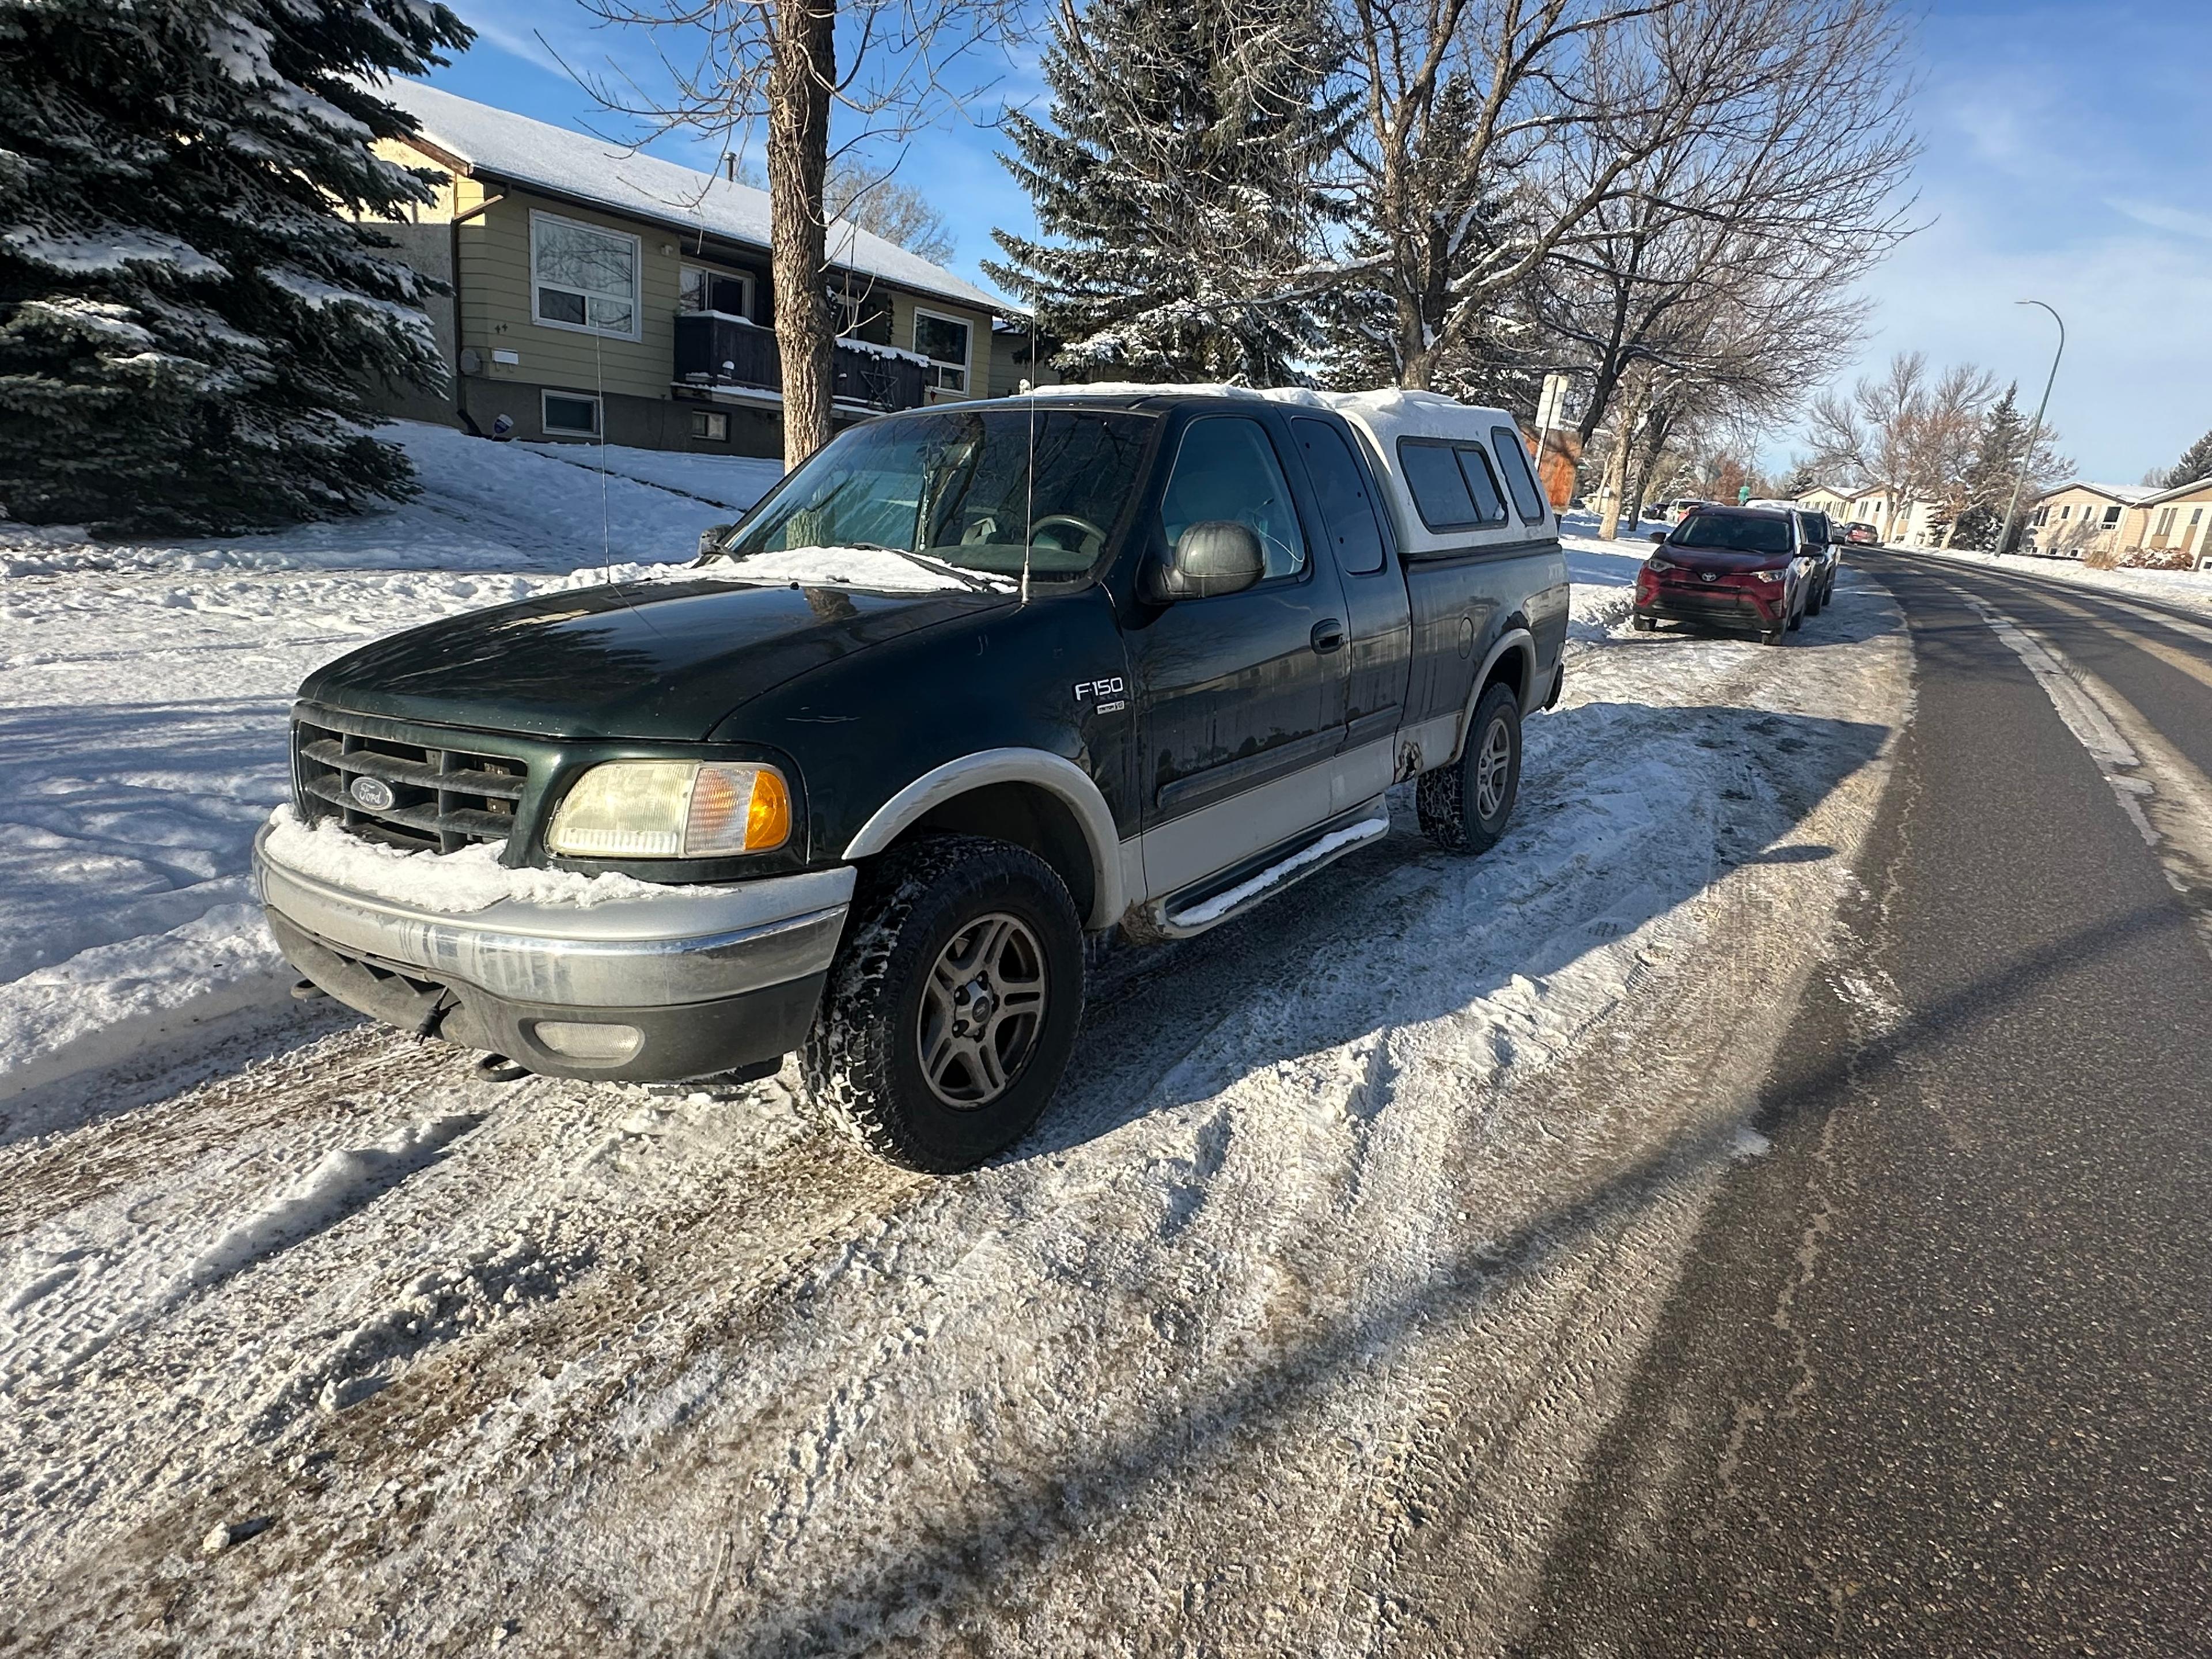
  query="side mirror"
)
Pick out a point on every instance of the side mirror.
point(711, 538)
point(1212, 557)
point(1658, 538)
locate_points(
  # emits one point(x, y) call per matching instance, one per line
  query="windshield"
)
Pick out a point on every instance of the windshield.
point(1730, 533)
point(959, 487)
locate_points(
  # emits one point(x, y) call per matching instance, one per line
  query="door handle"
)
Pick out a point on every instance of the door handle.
point(1328, 636)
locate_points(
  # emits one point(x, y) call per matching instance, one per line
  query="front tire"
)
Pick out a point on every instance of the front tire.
point(952, 1006)
point(1464, 806)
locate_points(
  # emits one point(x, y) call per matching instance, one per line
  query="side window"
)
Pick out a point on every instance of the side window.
point(1226, 469)
point(1482, 484)
point(1439, 486)
point(1528, 498)
point(1345, 507)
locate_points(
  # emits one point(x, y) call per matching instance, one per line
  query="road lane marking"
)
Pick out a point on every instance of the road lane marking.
point(2165, 797)
point(2196, 668)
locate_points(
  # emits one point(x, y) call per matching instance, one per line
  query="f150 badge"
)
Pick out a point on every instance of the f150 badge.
point(1105, 696)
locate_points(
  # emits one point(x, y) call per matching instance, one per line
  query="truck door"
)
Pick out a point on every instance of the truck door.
point(1376, 613)
point(1241, 698)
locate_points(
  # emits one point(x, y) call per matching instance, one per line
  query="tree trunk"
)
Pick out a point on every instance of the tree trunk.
point(1655, 440)
point(800, 79)
point(1616, 464)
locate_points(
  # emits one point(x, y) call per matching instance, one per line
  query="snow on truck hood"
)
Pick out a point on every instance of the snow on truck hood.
point(666, 658)
point(453, 884)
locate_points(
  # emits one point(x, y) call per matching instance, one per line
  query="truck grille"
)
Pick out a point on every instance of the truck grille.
point(442, 800)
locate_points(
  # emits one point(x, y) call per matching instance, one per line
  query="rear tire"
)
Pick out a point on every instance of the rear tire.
point(952, 1006)
point(1464, 806)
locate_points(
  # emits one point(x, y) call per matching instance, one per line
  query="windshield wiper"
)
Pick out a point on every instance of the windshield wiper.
point(930, 562)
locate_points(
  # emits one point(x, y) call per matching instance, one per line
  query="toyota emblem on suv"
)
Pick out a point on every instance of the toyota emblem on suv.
point(374, 793)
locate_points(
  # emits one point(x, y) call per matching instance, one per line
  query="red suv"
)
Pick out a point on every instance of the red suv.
point(1751, 567)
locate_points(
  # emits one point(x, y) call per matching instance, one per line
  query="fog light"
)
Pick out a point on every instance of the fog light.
point(576, 1039)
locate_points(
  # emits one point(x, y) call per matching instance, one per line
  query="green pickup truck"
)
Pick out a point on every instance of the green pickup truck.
point(971, 693)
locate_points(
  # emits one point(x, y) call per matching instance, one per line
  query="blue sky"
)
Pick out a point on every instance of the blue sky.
point(2068, 160)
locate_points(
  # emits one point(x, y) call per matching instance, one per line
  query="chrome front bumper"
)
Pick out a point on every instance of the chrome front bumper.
point(650, 951)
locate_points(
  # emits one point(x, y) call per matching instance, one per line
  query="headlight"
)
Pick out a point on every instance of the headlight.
point(1654, 562)
point(672, 810)
point(1768, 574)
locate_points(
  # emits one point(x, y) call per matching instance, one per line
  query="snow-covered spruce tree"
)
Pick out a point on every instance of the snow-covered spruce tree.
point(187, 320)
point(1179, 182)
point(2196, 463)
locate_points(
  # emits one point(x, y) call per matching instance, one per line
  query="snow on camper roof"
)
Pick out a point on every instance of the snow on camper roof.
point(588, 169)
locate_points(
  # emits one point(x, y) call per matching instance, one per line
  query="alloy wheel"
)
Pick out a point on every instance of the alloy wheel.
point(1491, 767)
point(982, 1012)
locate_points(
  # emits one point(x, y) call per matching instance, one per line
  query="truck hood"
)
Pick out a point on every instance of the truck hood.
point(661, 660)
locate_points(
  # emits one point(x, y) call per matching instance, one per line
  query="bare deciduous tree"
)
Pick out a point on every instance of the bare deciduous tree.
point(731, 66)
point(1495, 134)
point(1906, 435)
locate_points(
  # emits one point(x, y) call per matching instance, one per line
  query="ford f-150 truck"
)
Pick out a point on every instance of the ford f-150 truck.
point(969, 693)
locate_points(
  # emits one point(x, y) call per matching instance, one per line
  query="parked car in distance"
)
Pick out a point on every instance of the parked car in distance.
point(1819, 533)
point(1675, 511)
point(973, 690)
point(1858, 534)
point(1736, 566)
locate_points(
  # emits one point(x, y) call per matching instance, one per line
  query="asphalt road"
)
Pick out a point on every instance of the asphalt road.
point(1937, 1378)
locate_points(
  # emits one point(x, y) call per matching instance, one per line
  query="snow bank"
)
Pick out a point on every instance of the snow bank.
point(453, 884)
point(483, 506)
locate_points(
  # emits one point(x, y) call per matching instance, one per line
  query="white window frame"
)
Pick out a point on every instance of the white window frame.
point(599, 408)
point(966, 366)
point(706, 417)
point(636, 274)
point(752, 292)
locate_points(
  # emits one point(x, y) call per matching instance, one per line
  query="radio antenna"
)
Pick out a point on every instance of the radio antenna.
point(1029, 505)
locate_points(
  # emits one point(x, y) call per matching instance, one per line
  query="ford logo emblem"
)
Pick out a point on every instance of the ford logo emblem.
point(374, 793)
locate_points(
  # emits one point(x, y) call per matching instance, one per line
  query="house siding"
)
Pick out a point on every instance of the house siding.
point(494, 312)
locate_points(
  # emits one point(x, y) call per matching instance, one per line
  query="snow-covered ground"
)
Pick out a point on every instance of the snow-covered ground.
point(142, 691)
point(1285, 1334)
point(2189, 587)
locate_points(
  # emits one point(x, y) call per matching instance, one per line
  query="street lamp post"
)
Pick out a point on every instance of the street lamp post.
point(2034, 432)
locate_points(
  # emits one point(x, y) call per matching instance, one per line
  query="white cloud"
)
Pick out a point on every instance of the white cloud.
point(2160, 215)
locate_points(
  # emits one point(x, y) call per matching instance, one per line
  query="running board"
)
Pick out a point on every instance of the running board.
point(1210, 904)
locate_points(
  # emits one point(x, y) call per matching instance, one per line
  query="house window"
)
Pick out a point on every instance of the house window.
point(944, 341)
point(2112, 516)
point(2164, 523)
point(2066, 512)
point(2043, 514)
point(585, 277)
point(711, 425)
point(729, 293)
point(570, 414)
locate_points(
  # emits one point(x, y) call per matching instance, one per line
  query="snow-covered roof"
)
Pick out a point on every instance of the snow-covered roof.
point(587, 169)
point(2177, 492)
point(2126, 495)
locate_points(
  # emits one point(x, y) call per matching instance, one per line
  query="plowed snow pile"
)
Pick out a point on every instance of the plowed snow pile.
point(1286, 1333)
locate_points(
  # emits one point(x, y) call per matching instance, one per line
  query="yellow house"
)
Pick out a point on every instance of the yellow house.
point(1821, 499)
point(2176, 520)
point(2080, 517)
point(600, 292)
